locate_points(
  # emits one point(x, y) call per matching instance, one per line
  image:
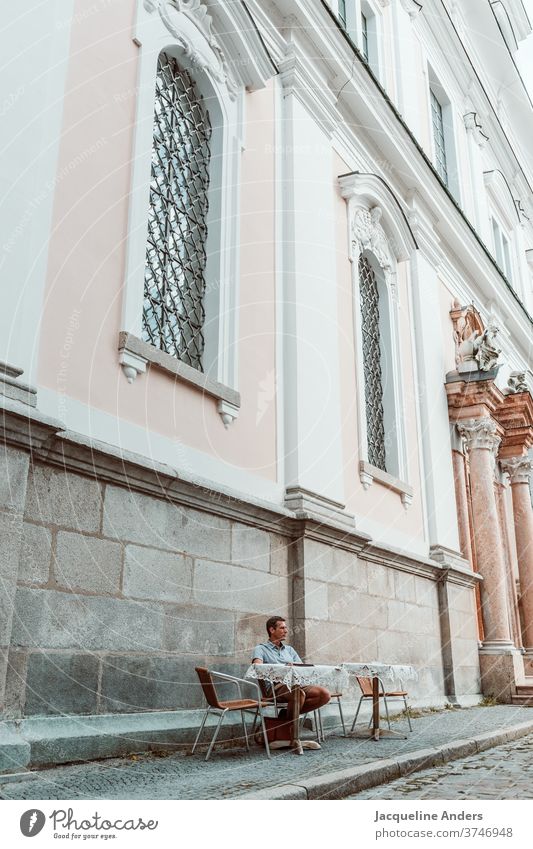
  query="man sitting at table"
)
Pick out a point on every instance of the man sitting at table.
point(275, 651)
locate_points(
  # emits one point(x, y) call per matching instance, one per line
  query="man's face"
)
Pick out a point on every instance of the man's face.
point(279, 632)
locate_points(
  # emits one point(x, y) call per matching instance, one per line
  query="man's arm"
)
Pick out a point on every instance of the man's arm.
point(257, 656)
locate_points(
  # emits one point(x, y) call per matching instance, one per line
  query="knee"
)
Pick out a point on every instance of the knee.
point(323, 696)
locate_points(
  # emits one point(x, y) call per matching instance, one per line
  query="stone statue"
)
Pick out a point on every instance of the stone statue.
point(486, 350)
point(517, 382)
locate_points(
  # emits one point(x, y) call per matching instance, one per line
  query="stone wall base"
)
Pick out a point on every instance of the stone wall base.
point(500, 673)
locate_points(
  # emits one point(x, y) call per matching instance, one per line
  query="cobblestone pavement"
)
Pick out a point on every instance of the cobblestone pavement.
point(233, 772)
point(505, 772)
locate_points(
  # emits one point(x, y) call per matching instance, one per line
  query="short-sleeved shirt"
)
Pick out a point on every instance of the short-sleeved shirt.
point(270, 653)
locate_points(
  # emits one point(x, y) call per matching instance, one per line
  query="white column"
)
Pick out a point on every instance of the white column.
point(436, 442)
point(476, 142)
point(34, 45)
point(407, 73)
point(313, 444)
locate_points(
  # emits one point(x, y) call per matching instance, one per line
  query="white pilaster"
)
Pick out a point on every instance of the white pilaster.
point(313, 445)
point(34, 45)
point(436, 444)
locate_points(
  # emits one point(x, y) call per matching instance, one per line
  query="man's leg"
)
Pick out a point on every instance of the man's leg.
point(314, 698)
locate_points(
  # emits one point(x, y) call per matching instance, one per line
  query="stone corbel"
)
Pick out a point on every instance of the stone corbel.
point(228, 412)
point(474, 126)
point(132, 364)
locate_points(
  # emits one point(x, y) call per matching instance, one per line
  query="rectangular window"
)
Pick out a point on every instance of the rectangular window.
point(502, 250)
point(364, 36)
point(342, 12)
point(438, 136)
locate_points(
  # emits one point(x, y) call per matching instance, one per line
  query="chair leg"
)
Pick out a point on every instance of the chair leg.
point(356, 714)
point(387, 711)
point(342, 716)
point(316, 720)
point(200, 731)
point(215, 735)
point(323, 736)
point(408, 713)
point(265, 735)
point(244, 730)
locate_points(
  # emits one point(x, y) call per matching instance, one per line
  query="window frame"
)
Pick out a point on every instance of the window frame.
point(187, 36)
point(352, 22)
point(437, 90)
point(386, 240)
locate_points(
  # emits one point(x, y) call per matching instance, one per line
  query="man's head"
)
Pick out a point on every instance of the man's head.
point(276, 628)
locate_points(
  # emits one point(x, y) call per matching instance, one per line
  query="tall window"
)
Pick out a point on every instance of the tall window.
point(371, 338)
point(502, 250)
point(342, 12)
point(174, 280)
point(438, 137)
point(364, 36)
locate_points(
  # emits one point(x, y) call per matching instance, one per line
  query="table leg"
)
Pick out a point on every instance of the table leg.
point(375, 707)
point(294, 703)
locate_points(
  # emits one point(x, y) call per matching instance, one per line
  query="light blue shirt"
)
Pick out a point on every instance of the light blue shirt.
point(270, 653)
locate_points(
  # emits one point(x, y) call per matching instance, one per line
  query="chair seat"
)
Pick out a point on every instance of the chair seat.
point(238, 704)
point(395, 693)
point(336, 695)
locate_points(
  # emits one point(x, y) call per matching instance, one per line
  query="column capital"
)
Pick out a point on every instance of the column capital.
point(479, 433)
point(518, 468)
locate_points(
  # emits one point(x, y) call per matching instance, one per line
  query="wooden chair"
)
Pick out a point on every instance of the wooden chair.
point(221, 708)
point(365, 685)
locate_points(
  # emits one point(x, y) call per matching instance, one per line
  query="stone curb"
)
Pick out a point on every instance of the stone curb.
point(346, 782)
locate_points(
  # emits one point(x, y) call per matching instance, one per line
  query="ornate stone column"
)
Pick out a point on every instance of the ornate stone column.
point(482, 442)
point(519, 471)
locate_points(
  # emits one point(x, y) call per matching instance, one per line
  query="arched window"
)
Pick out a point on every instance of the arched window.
point(174, 280)
point(372, 357)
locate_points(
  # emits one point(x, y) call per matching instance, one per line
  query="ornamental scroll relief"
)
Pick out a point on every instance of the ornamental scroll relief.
point(196, 12)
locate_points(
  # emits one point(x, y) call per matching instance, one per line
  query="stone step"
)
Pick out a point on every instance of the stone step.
point(525, 700)
point(524, 689)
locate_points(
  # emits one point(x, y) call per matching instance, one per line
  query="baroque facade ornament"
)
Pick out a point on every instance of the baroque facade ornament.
point(518, 468)
point(473, 124)
point(476, 346)
point(197, 13)
point(517, 383)
point(479, 433)
point(412, 8)
point(368, 234)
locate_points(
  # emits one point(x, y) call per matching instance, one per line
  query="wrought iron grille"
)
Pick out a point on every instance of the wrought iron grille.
point(375, 427)
point(174, 280)
point(438, 135)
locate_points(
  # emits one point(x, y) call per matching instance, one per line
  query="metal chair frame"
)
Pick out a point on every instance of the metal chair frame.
point(383, 695)
point(221, 712)
point(318, 718)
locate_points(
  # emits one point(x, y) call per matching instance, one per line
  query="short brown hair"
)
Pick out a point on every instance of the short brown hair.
point(272, 622)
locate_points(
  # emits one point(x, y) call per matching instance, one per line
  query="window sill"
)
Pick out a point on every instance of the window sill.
point(135, 355)
point(368, 474)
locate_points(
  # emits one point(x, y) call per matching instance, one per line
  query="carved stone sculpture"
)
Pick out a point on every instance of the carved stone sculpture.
point(487, 350)
point(517, 382)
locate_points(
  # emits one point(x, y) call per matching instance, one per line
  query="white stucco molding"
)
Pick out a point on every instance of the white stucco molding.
point(475, 127)
point(501, 194)
point(412, 8)
point(222, 50)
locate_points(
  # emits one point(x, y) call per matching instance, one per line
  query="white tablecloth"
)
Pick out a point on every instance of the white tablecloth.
point(335, 678)
point(395, 672)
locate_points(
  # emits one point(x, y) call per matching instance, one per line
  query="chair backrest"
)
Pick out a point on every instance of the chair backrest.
point(366, 685)
point(208, 686)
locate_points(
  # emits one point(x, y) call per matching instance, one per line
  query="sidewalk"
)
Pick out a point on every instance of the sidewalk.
point(342, 767)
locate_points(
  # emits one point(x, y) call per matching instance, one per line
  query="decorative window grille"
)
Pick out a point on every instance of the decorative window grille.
point(174, 280)
point(364, 33)
point(369, 295)
point(438, 135)
point(342, 12)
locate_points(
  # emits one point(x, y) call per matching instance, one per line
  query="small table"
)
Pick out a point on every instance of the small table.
point(376, 670)
point(296, 677)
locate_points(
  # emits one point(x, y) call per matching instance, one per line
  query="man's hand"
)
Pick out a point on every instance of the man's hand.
point(257, 660)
